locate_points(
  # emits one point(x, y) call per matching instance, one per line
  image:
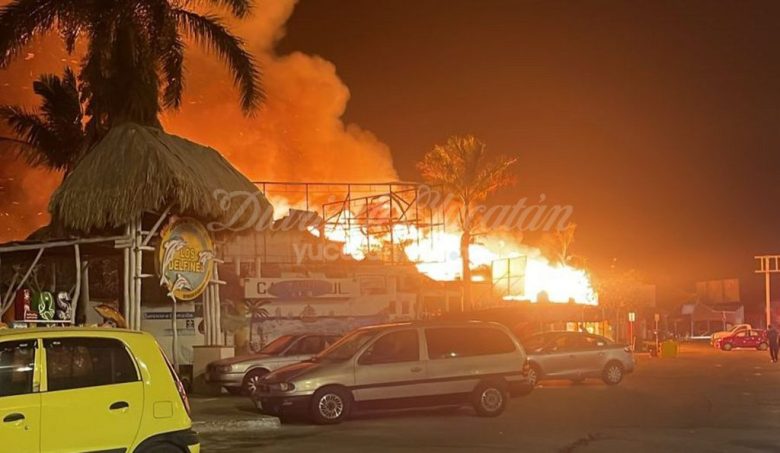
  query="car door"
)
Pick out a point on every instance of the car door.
point(93, 398)
point(590, 354)
point(740, 340)
point(20, 400)
point(391, 367)
point(754, 338)
point(558, 358)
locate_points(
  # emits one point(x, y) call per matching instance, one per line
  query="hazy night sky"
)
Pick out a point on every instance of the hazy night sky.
point(656, 120)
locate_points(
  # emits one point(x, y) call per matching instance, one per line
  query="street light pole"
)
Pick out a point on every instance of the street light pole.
point(767, 265)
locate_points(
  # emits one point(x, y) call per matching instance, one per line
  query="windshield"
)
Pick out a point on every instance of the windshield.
point(346, 348)
point(278, 346)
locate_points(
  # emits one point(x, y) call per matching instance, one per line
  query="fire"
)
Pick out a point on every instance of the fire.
point(439, 258)
point(560, 283)
point(437, 255)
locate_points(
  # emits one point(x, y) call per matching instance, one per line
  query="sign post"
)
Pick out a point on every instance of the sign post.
point(657, 318)
point(631, 319)
point(185, 262)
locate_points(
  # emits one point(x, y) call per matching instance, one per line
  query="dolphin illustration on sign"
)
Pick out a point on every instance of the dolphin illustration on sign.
point(186, 259)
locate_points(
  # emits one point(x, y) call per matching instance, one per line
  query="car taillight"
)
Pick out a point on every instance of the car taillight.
point(179, 385)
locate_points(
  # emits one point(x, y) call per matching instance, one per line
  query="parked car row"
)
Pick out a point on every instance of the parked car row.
point(120, 384)
point(414, 364)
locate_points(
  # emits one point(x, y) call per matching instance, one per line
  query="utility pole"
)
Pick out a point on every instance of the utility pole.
point(767, 265)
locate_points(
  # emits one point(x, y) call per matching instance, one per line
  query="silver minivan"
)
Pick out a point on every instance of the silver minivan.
point(402, 365)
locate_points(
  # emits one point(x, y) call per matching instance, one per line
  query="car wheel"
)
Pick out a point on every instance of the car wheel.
point(613, 373)
point(251, 381)
point(490, 399)
point(763, 347)
point(330, 405)
point(727, 347)
point(534, 374)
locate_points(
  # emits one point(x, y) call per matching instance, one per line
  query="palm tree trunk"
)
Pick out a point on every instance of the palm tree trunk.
point(465, 240)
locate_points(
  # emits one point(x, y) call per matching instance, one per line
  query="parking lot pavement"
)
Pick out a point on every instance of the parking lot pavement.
point(704, 400)
point(229, 415)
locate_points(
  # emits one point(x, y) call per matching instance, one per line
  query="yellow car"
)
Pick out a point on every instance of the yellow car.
point(96, 390)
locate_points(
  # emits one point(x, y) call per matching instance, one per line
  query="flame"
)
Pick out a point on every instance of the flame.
point(437, 255)
point(439, 258)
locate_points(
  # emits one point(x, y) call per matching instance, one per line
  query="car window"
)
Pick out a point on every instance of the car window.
point(17, 362)
point(741, 334)
point(535, 341)
point(566, 342)
point(395, 347)
point(451, 342)
point(73, 363)
point(592, 342)
point(309, 345)
point(278, 346)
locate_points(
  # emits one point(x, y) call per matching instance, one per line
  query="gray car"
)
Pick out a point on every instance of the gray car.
point(577, 356)
point(241, 374)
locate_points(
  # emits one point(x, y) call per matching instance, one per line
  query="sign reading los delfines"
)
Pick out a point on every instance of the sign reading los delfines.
point(185, 259)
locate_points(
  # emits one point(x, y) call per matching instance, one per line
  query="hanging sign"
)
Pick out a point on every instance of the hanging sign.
point(185, 259)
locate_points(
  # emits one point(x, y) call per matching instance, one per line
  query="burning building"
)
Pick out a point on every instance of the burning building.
point(342, 255)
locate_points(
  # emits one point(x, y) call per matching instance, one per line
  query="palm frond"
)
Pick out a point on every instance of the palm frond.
point(463, 168)
point(172, 62)
point(31, 130)
point(28, 126)
point(60, 97)
point(21, 21)
point(210, 32)
point(14, 142)
point(239, 8)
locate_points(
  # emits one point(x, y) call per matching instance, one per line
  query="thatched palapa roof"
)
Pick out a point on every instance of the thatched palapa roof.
point(136, 169)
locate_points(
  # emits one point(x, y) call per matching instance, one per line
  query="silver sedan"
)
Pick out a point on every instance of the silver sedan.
point(577, 356)
point(241, 374)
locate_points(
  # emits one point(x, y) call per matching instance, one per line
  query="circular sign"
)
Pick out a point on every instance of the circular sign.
point(185, 259)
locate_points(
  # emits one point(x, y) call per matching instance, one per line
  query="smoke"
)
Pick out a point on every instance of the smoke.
point(298, 135)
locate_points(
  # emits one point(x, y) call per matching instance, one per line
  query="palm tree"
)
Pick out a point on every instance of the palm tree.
point(53, 137)
point(557, 245)
point(463, 169)
point(134, 62)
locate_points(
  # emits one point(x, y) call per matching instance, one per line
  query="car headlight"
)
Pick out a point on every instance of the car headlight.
point(282, 387)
